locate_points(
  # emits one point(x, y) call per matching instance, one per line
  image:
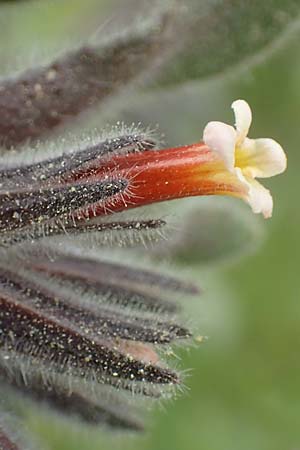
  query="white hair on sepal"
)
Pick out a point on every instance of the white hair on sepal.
point(27, 370)
point(27, 373)
point(125, 229)
point(113, 255)
point(98, 319)
point(22, 244)
point(140, 233)
point(113, 302)
point(70, 144)
point(143, 299)
point(115, 238)
point(146, 304)
point(138, 260)
point(172, 214)
point(122, 365)
point(89, 297)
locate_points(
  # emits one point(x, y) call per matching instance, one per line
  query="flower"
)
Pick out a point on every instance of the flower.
point(247, 158)
point(81, 331)
point(225, 163)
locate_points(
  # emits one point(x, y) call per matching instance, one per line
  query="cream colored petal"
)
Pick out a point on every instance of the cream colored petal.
point(259, 198)
point(243, 119)
point(221, 138)
point(261, 158)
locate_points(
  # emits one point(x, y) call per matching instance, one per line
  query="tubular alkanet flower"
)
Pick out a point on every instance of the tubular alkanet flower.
point(82, 331)
point(225, 163)
point(247, 158)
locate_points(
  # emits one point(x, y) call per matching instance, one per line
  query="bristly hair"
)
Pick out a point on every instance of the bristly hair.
point(79, 333)
point(74, 324)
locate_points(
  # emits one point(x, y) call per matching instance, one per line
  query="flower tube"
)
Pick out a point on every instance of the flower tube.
point(226, 162)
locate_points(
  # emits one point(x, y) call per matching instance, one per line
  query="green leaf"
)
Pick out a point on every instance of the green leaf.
point(222, 34)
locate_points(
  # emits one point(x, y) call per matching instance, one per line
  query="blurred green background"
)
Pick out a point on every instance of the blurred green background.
point(244, 387)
